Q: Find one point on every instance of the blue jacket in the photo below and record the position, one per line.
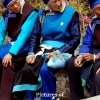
(89, 38)
(71, 40)
(25, 33)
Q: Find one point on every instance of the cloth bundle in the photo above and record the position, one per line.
(59, 61)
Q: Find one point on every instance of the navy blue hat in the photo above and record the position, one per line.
(46, 1)
(93, 3)
(6, 2)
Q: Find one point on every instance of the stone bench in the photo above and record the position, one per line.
(62, 84)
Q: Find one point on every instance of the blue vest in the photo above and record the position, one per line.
(55, 26)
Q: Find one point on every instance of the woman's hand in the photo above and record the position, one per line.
(88, 57)
(30, 59)
(7, 60)
(79, 61)
(50, 55)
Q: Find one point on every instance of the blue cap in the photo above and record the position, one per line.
(93, 3)
(46, 1)
(6, 2)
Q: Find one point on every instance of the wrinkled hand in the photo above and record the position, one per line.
(88, 57)
(50, 55)
(98, 71)
(79, 61)
(30, 59)
(7, 60)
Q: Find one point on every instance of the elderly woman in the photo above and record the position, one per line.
(15, 21)
(60, 31)
(86, 65)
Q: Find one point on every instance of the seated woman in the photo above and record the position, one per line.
(87, 65)
(60, 31)
(14, 23)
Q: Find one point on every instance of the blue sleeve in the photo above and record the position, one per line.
(87, 42)
(35, 37)
(26, 31)
(74, 30)
(2, 30)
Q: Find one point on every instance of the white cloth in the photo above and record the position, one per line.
(45, 46)
(40, 52)
(22, 2)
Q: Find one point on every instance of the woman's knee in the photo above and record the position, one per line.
(70, 63)
(97, 78)
(95, 67)
(26, 69)
(44, 69)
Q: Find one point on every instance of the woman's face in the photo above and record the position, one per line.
(55, 5)
(14, 6)
(96, 10)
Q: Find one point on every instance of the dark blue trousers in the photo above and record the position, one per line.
(49, 82)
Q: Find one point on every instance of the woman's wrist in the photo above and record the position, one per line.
(97, 56)
(79, 56)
